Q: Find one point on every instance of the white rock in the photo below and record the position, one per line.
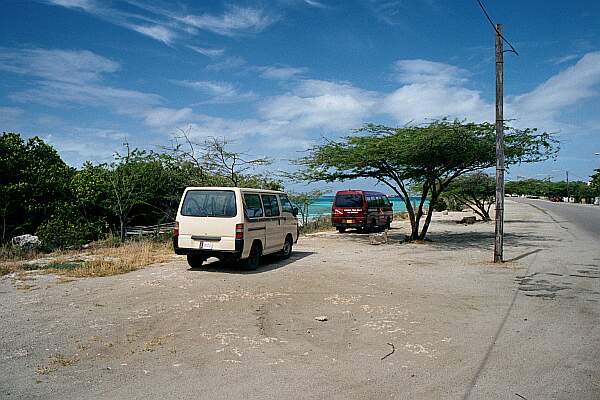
(27, 240)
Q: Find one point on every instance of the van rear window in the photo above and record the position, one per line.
(348, 200)
(209, 203)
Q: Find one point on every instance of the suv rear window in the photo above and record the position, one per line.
(209, 203)
(348, 200)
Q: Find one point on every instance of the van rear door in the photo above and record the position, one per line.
(207, 220)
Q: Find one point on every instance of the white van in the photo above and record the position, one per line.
(234, 224)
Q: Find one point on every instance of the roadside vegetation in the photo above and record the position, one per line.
(67, 207)
(579, 191)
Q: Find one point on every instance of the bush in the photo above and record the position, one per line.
(69, 230)
(440, 204)
(316, 225)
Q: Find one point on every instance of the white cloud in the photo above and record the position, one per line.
(157, 27)
(211, 53)
(121, 101)
(563, 59)
(166, 25)
(161, 117)
(315, 104)
(86, 5)
(226, 64)
(432, 90)
(424, 71)
(421, 101)
(280, 73)
(315, 3)
(235, 21)
(72, 77)
(219, 92)
(10, 114)
(157, 32)
(569, 87)
(57, 65)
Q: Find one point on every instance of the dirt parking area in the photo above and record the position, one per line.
(400, 321)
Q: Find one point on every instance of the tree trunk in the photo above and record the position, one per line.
(428, 218)
(122, 232)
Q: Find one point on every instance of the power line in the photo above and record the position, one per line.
(512, 49)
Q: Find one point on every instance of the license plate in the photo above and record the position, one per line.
(349, 221)
(206, 245)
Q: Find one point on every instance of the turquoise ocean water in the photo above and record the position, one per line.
(322, 206)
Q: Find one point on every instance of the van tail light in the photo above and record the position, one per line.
(239, 231)
(176, 229)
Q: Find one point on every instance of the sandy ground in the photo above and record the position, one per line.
(219, 333)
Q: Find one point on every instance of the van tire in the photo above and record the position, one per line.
(253, 260)
(372, 226)
(288, 245)
(195, 260)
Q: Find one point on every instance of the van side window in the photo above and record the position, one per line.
(286, 206)
(253, 205)
(271, 205)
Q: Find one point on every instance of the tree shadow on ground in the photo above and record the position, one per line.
(458, 240)
(268, 263)
(485, 240)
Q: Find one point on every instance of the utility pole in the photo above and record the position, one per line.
(568, 192)
(499, 239)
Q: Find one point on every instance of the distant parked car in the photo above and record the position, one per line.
(556, 199)
(360, 209)
(234, 224)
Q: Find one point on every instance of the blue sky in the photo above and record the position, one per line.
(277, 76)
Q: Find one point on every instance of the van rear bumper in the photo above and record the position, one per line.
(239, 247)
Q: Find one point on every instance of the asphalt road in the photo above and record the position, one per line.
(548, 344)
(586, 218)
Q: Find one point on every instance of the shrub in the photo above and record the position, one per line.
(68, 230)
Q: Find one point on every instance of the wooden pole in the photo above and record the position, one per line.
(568, 191)
(499, 239)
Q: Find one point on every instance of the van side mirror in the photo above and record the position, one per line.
(295, 211)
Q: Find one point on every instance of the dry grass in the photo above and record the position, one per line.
(101, 259)
(118, 259)
(57, 361)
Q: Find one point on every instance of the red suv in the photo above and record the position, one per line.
(361, 209)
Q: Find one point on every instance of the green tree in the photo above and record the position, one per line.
(33, 183)
(432, 155)
(595, 182)
(476, 191)
(303, 201)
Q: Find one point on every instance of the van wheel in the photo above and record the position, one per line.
(253, 260)
(286, 252)
(195, 260)
(341, 229)
(372, 226)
